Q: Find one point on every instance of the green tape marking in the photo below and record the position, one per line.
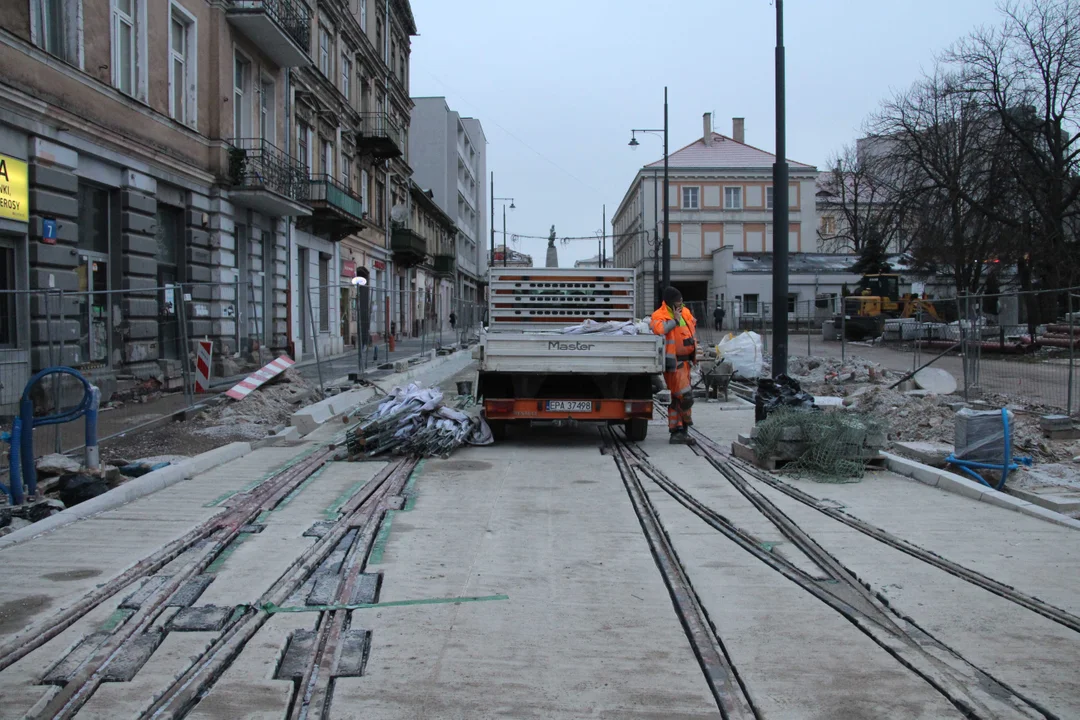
(409, 491)
(271, 608)
(116, 620)
(332, 512)
(380, 540)
(238, 612)
(226, 553)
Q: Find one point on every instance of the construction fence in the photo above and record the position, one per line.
(146, 342)
(377, 326)
(804, 320)
(1018, 345)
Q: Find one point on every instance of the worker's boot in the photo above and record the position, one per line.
(681, 437)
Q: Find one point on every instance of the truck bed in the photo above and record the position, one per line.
(550, 353)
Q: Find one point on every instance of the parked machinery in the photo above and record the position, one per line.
(876, 299)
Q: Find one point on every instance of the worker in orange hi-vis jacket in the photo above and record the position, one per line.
(677, 325)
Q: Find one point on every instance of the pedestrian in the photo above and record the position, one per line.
(453, 320)
(718, 316)
(677, 325)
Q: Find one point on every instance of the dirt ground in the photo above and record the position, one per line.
(252, 418)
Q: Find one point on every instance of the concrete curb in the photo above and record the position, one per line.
(951, 482)
(307, 419)
(129, 491)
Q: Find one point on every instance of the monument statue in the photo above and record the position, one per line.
(552, 251)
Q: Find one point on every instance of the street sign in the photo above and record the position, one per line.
(14, 189)
(48, 231)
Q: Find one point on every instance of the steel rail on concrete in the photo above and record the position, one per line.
(716, 455)
(240, 514)
(365, 510)
(970, 689)
(222, 529)
(727, 688)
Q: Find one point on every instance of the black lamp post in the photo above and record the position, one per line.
(780, 213)
(506, 248)
(666, 252)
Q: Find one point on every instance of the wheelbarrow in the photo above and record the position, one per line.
(716, 377)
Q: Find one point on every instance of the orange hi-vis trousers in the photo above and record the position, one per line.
(678, 382)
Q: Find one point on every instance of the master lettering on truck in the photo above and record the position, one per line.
(556, 345)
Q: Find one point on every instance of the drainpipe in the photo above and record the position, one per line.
(288, 228)
(386, 185)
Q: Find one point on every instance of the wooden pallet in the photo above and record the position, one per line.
(747, 453)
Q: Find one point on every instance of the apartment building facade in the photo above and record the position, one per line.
(720, 195)
(231, 148)
(449, 156)
(433, 229)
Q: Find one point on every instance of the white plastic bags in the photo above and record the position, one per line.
(744, 353)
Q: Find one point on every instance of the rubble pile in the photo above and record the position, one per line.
(413, 421)
(864, 387)
(822, 370)
(261, 411)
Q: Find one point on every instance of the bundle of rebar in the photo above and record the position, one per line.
(413, 422)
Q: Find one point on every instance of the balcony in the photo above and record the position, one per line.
(265, 179)
(335, 211)
(409, 248)
(280, 28)
(379, 137)
(445, 264)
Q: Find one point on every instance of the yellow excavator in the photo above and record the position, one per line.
(876, 299)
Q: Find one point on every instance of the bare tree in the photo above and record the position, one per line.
(944, 149)
(1026, 72)
(857, 193)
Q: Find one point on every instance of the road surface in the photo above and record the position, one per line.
(564, 573)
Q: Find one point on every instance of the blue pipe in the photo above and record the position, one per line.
(1009, 464)
(87, 406)
(16, 489)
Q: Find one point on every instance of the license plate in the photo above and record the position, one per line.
(569, 406)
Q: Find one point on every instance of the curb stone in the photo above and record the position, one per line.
(130, 491)
(951, 482)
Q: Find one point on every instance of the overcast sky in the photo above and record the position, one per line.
(559, 84)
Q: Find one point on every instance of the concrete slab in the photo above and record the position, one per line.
(63, 565)
(248, 689)
(935, 380)
(583, 594)
(1017, 646)
(1029, 554)
(1049, 500)
(762, 617)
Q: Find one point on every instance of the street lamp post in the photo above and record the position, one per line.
(780, 213)
(666, 252)
(506, 248)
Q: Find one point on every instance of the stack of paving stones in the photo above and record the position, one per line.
(1058, 427)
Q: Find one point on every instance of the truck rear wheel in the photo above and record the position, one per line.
(636, 429)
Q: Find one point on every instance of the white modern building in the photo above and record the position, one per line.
(720, 196)
(448, 154)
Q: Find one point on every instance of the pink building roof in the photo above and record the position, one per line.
(723, 153)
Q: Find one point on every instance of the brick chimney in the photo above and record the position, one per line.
(706, 123)
(738, 130)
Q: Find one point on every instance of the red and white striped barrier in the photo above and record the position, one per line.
(256, 379)
(202, 366)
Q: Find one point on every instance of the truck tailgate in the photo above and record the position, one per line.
(548, 353)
